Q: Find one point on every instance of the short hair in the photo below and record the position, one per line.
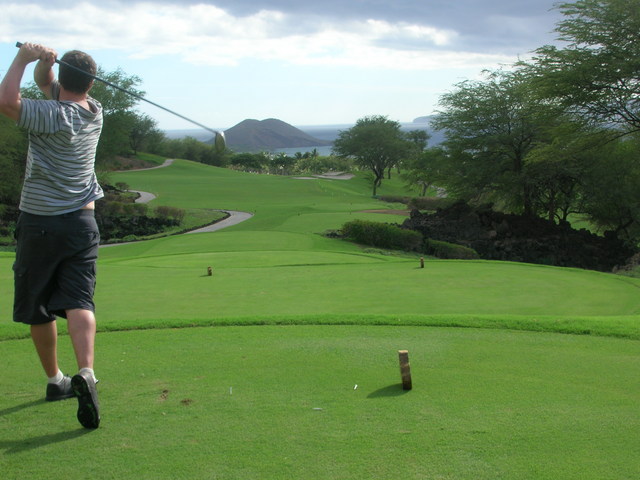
(73, 80)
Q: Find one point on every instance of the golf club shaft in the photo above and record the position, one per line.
(135, 95)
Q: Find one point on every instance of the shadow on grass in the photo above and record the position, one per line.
(23, 445)
(17, 408)
(394, 390)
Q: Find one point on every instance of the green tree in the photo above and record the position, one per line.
(375, 143)
(597, 73)
(154, 141)
(281, 164)
(141, 130)
(249, 161)
(555, 169)
(419, 139)
(114, 100)
(423, 171)
(13, 153)
(610, 193)
(491, 127)
(119, 113)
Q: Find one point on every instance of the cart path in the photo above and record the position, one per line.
(329, 176)
(166, 163)
(144, 197)
(235, 217)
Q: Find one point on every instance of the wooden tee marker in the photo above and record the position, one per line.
(405, 369)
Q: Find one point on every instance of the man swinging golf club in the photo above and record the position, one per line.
(57, 235)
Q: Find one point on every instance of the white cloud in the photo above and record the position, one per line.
(207, 35)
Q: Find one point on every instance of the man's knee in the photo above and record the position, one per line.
(80, 315)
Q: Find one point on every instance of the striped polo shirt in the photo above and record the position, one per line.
(63, 137)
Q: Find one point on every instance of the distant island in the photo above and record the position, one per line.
(275, 135)
(425, 119)
(269, 134)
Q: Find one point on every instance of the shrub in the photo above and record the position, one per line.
(394, 199)
(382, 235)
(429, 203)
(448, 250)
(174, 213)
(135, 209)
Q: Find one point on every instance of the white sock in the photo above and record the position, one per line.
(57, 378)
(90, 371)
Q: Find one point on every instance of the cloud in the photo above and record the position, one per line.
(209, 35)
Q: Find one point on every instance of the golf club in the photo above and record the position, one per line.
(219, 141)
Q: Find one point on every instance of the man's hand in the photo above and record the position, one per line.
(30, 52)
(10, 101)
(43, 73)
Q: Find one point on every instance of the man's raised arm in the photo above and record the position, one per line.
(10, 100)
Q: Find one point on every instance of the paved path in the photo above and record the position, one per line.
(166, 163)
(145, 197)
(234, 218)
(329, 176)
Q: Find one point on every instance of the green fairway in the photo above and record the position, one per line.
(325, 402)
(291, 321)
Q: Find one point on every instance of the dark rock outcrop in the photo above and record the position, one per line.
(499, 236)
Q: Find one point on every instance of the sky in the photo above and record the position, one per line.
(306, 62)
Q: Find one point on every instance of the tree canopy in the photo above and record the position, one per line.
(375, 143)
(596, 74)
(551, 136)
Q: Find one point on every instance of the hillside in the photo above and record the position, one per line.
(269, 134)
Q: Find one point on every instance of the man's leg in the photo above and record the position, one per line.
(45, 339)
(82, 330)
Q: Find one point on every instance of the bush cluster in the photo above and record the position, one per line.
(448, 250)
(386, 235)
(124, 227)
(382, 235)
(127, 221)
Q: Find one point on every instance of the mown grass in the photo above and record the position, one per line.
(307, 318)
(324, 402)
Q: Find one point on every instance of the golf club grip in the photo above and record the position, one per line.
(19, 44)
